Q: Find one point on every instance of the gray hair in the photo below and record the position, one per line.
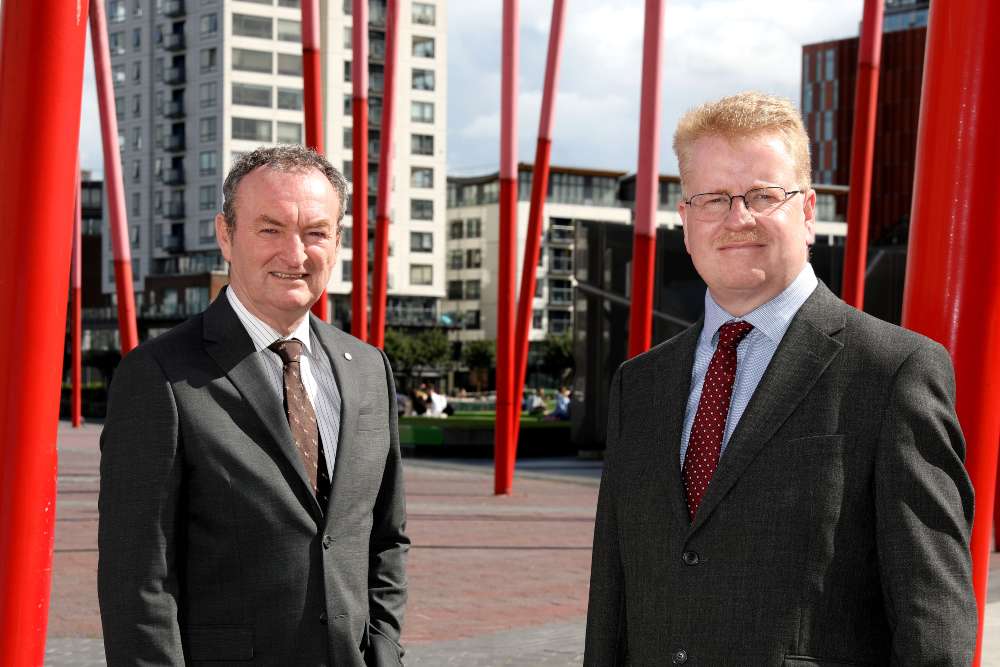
(283, 157)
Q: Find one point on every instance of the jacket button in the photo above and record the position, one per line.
(690, 558)
(679, 656)
(327, 541)
(322, 618)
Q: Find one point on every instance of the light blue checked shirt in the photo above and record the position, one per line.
(770, 322)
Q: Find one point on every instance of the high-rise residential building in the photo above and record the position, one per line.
(829, 80)
(199, 82)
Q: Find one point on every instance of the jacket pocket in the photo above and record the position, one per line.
(821, 444)
(220, 642)
(809, 661)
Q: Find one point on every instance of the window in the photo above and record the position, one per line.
(348, 37)
(289, 133)
(206, 197)
(347, 71)
(423, 47)
(829, 65)
(348, 170)
(207, 130)
(158, 69)
(137, 71)
(158, 169)
(455, 230)
(159, 102)
(136, 210)
(473, 258)
(422, 144)
(421, 242)
(421, 274)
(121, 140)
(134, 233)
(158, 34)
(423, 13)
(246, 60)
(421, 209)
(206, 231)
(120, 107)
(235, 155)
(252, 95)
(118, 75)
(562, 260)
(471, 289)
(375, 109)
(560, 321)
(422, 112)
(208, 94)
(251, 129)
(208, 160)
(116, 43)
(828, 124)
(289, 31)
(137, 8)
(345, 270)
(136, 171)
(158, 233)
(423, 79)
(136, 105)
(245, 25)
(289, 65)
(158, 136)
(116, 11)
(536, 319)
(455, 259)
(473, 228)
(261, 2)
(348, 137)
(455, 290)
(422, 177)
(136, 38)
(209, 60)
(137, 138)
(290, 98)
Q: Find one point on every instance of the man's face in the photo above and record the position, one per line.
(284, 245)
(747, 258)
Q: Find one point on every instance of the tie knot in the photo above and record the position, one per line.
(289, 350)
(732, 333)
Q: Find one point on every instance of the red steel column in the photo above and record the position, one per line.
(539, 185)
(384, 196)
(647, 181)
(313, 94)
(952, 289)
(75, 320)
(359, 203)
(42, 46)
(113, 178)
(862, 154)
(505, 439)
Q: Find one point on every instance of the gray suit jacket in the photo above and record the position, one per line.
(834, 532)
(213, 549)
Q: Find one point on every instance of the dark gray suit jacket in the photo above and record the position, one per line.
(834, 532)
(213, 549)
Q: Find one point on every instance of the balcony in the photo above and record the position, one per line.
(174, 41)
(561, 265)
(174, 209)
(174, 109)
(376, 49)
(561, 235)
(117, 49)
(173, 8)
(173, 142)
(173, 76)
(174, 244)
(173, 177)
(561, 296)
(561, 326)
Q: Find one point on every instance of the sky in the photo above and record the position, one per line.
(711, 48)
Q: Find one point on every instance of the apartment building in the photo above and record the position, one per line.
(199, 82)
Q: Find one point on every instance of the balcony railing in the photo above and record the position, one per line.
(173, 209)
(561, 296)
(560, 326)
(173, 75)
(155, 311)
(173, 41)
(173, 176)
(174, 244)
(375, 82)
(173, 8)
(174, 142)
(117, 49)
(561, 265)
(174, 109)
(559, 234)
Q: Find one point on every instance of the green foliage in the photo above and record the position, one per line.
(557, 355)
(430, 348)
(399, 348)
(480, 354)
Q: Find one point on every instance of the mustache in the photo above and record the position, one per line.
(755, 235)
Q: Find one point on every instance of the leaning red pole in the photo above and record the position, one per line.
(376, 336)
(42, 46)
(359, 202)
(313, 94)
(862, 154)
(75, 320)
(505, 438)
(113, 183)
(952, 291)
(647, 181)
(539, 185)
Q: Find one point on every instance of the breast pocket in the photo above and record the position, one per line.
(373, 421)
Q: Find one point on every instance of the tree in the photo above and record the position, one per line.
(481, 355)
(431, 348)
(557, 356)
(399, 348)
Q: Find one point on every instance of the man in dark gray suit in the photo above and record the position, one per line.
(252, 506)
(783, 483)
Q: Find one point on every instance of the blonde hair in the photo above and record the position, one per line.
(744, 115)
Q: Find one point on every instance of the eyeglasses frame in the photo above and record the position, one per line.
(788, 193)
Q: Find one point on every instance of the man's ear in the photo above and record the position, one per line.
(809, 210)
(222, 236)
(682, 211)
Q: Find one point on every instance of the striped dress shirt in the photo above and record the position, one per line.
(317, 373)
(754, 353)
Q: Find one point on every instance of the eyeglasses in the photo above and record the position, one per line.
(715, 206)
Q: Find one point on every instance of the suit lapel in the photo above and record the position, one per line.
(804, 353)
(231, 347)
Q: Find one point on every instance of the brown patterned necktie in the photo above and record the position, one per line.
(302, 418)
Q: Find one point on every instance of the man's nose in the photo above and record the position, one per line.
(293, 250)
(739, 213)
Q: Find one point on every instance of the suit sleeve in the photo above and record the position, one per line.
(924, 509)
(141, 463)
(607, 640)
(387, 551)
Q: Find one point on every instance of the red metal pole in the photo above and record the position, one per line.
(539, 185)
(952, 291)
(647, 181)
(862, 154)
(384, 196)
(75, 287)
(505, 439)
(113, 178)
(313, 94)
(359, 204)
(42, 46)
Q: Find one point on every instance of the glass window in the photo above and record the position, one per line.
(423, 47)
(348, 137)
(116, 11)
(471, 289)
(134, 235)
(829, 64)
(210, 24)
(209, 60)
(245, 25)
(116, 43)
(455, 231)
(158, 136)
(136, 171)
(473, 258)
(807, 98)
(421, 242)
(121, 140)
(422, 144)
(261, 2)
(137, 8)
(455, 259)
(455, 290)
(294, 4)
(348, 37)
(137, 138)
(289, 133)
(828, 124)
(252, 61)
(209, 162)
(252, 95)
(136, 38)
(206, 197)
(158, 34)
(251, 129)
(137, 71)
(421, 209)
(118, 75)
(473, 228)
(289, 31)
(208, 94)
(207, 129)
(536, 319)
(158, 234)
(136, 210)
(347, 104)
(422, 112)
(120, 107)
(423, 79)
(158, 201)
(159, 102)
(289, 64)
(348, 171)
(137, 105)
(290, 98)
(423, 13)
(347, 71)
(421, 274)
(422, 177)
(345, 270)
(206, 231)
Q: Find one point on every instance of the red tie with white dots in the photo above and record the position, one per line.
(705, 442)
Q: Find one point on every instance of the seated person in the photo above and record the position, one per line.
(418, 402)
(438, 403)
(561, 413)
(535, 403)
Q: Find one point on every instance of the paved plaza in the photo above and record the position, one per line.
(494, 581)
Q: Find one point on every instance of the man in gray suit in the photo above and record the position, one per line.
(783, 483)
(252, 506)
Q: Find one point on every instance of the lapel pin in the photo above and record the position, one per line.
(347, 355)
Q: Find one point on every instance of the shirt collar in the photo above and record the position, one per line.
(772, 318)
(262, 333)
